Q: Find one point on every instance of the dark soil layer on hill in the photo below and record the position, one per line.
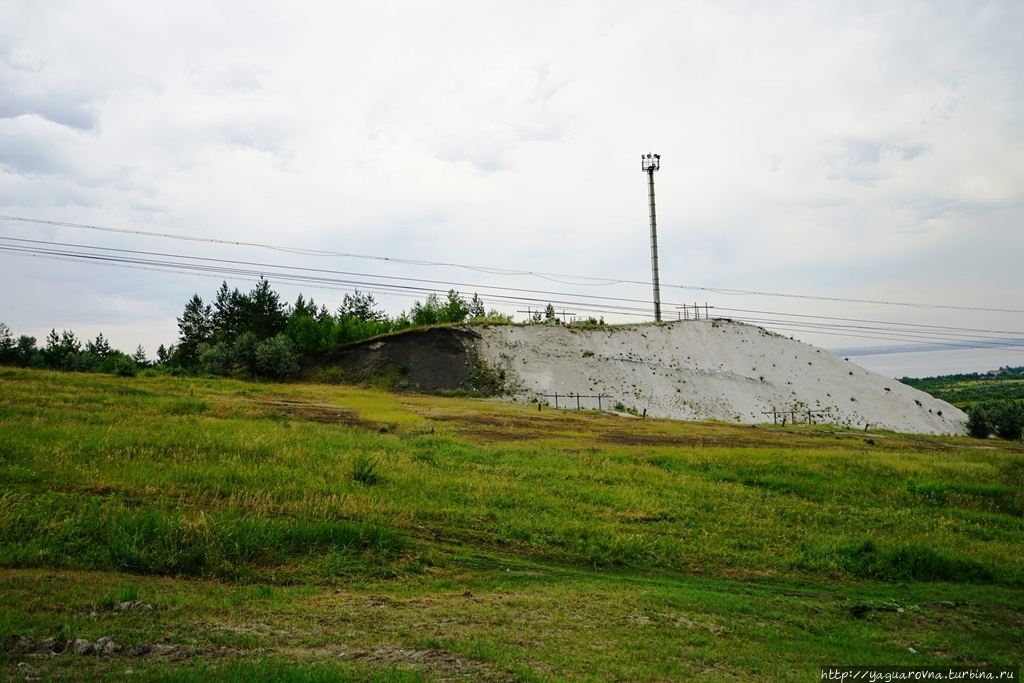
(426, 360)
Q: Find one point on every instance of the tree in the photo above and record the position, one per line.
(195, 326)
(28, 354)
(455, 308)
(360, 306)
(1004, 418)
(8, 347)
(164, 354)
(60, 347)
(427, 313)
(549, 315)
(100, 347)
(140, 357)
(266, 315)
(1008, 420)
(230, 313)
(303, 308)
(305, 332)
(476, 308)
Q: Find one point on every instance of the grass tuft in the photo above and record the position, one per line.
(364, 470)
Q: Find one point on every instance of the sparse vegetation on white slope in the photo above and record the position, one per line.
(709, 369)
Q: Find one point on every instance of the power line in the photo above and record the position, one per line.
(267, 272)
(318, 252)
(937, 328)
(503, 271)
(265, 267)
(871, 329)
(894, 336)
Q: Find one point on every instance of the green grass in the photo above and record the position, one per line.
(354, 533)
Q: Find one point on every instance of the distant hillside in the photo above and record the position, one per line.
(967, 389)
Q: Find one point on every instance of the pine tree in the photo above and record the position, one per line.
(59, 347)
(360, 306)
(8, 347)
(140, 356)
(476, 308)
(100, 347)
(230, 313)
(266, 315)
(195, 326)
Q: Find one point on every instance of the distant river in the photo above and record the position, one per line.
(942, 362)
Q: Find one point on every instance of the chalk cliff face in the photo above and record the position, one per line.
(706, 369)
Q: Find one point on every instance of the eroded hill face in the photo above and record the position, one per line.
(426, 359)
(686, 370)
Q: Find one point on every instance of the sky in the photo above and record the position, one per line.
(837, 153)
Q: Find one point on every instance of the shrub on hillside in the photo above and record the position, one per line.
(979, 425)
(244, 350)
(215, 359)
(124, 366)
(80, 361)
(275, 357)
(1008, 420)
(1004, 418)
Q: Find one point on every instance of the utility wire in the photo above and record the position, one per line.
(266, 266)
(581, 280)
(932, 334)
(861, 320)
(254, 273)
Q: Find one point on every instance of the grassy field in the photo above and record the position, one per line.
(183, 529)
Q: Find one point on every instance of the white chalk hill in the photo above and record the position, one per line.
(708, 370)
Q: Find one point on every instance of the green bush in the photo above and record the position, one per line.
(125, 367)
(80, 361)
(244, 350)
(275, 357)
(979, 425)
(215, 359)
(1004, 418)
(1008, 420)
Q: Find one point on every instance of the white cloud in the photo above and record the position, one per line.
(831, 147)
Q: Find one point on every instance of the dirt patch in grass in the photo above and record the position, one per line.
(509, 427)
(321, 413)
(612, 429)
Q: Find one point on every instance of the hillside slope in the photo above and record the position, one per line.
(707, 369)
(684, 370)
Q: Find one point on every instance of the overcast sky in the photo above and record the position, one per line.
(849, 150)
